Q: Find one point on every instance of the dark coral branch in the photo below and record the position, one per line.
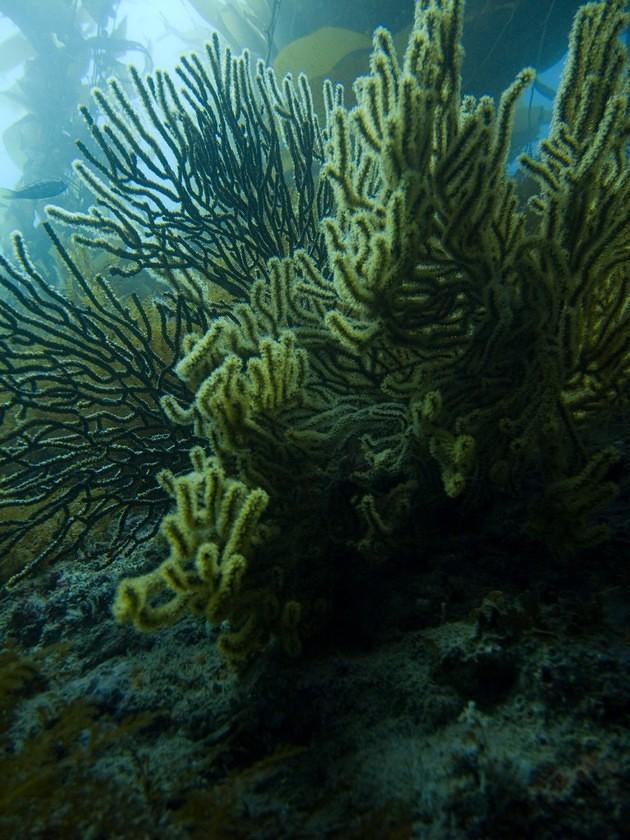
(83, 434)
(218, 177)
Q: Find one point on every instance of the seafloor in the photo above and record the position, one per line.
(479, 690)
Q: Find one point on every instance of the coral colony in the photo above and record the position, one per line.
(332, 352)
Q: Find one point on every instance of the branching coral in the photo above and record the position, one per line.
(429, 337)
(446, 325)
(218, 177)
(209, 569)
(205, 202)
(578, 251)
(83, 433)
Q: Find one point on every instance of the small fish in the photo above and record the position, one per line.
(40, 189)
